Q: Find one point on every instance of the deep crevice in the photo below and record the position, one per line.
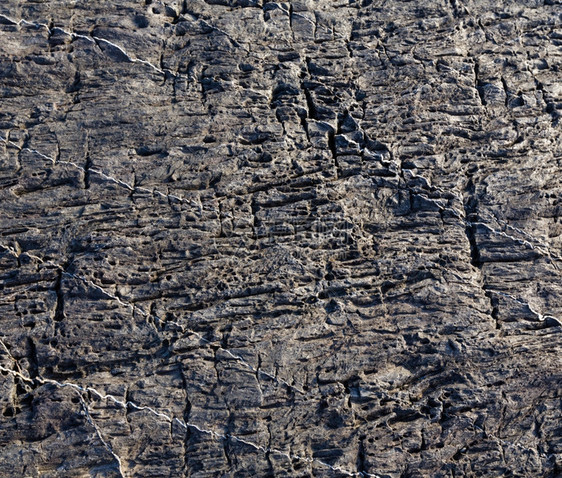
(333, 150)
(361, 458)
(504, 84)
(59, 308)
(478, 83)
(471, 216)
(33, 362)
(87, 167)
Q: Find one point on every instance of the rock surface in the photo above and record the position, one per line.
(252, 238)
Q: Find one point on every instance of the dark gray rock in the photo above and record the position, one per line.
(280, 239)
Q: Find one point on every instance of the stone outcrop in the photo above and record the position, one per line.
(253, 238)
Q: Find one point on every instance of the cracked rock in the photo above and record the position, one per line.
(254, 238)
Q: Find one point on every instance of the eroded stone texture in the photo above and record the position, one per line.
(253, 238)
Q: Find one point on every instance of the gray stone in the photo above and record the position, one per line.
(303, 238)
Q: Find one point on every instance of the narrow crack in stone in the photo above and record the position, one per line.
(136, 308)
(105, 443)
(171, 419)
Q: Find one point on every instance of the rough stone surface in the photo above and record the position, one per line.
(251, 238)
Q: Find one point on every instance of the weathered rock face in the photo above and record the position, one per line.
(246, 238)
